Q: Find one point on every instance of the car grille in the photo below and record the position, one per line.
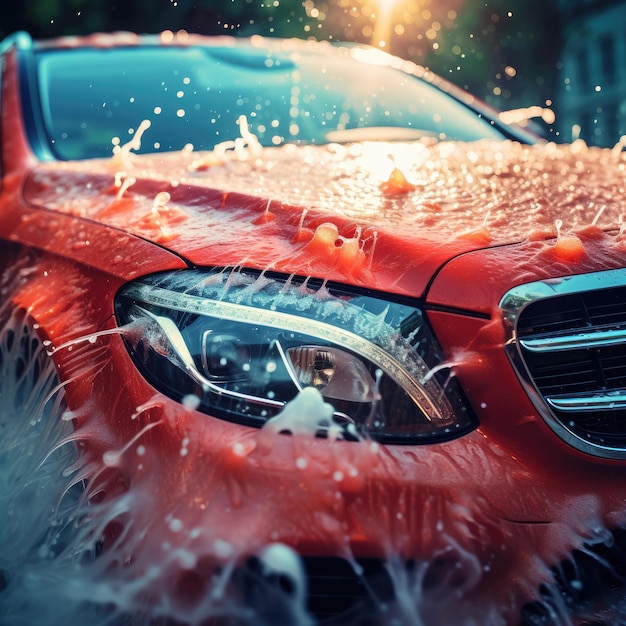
(337, 591)
(588, 584)
(567, 340)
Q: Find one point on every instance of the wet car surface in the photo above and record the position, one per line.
(370, 372)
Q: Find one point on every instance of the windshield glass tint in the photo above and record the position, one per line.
(196, 95)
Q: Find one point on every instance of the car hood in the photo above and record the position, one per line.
(387, 215)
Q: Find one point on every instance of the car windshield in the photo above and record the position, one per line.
(196, 95)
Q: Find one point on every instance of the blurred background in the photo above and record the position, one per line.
(563, 62)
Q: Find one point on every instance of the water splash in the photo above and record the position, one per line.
(116, 525)
(397, 183)
(244, 147)
(568, 246)
(67, 558)
(123, 182)
(121, 154)
(523, 116)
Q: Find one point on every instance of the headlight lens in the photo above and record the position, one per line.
(241, 345)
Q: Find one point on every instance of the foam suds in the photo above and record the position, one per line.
(436, 194)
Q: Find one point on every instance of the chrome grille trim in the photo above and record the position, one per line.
(591, 402)
(566, 339)
(575, 341)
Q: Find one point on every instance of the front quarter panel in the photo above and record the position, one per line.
(464, 301)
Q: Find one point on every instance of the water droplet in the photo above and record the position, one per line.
(223, 549)
(191, 401)
(176, 525)
(239, 449)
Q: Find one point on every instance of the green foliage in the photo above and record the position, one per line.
(502, 50)
(50, 18)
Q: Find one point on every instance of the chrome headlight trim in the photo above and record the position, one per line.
(245, 314)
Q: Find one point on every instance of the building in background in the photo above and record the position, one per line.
(591, 98)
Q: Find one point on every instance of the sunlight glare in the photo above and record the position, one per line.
(383, 25)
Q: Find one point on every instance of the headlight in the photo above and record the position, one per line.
(239, 345)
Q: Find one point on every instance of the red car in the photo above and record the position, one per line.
(293, 332)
